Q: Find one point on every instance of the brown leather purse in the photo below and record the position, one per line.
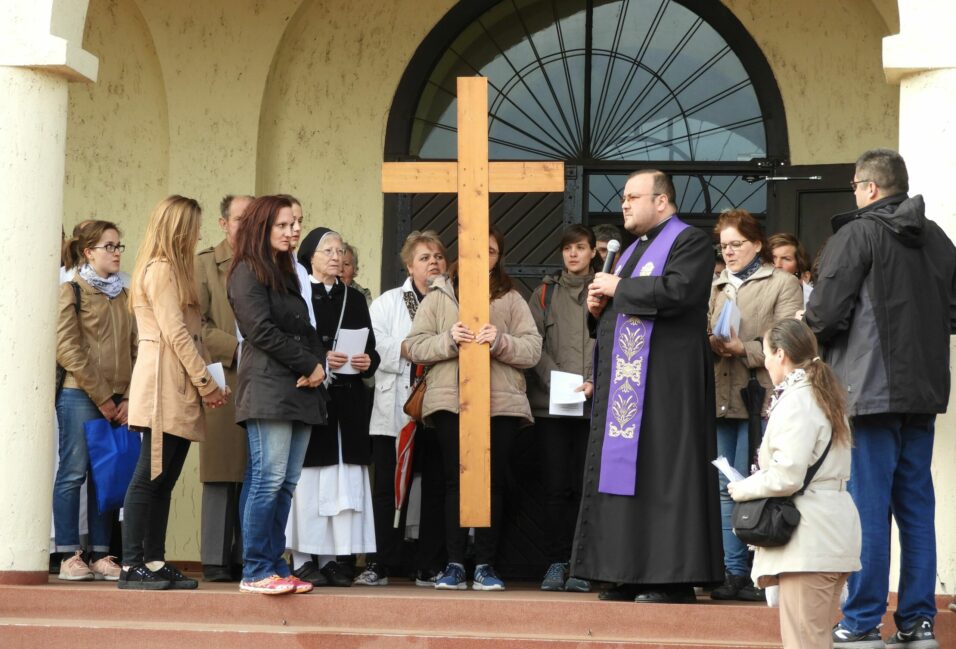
(416, 399)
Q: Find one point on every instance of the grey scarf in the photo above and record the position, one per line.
(111, 285)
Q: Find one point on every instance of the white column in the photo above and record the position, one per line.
(922, 60)
(35, 67)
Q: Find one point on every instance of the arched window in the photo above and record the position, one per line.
(607, 86)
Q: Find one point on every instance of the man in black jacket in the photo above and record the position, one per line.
(884, 308)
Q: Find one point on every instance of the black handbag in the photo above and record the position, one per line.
(770, 522)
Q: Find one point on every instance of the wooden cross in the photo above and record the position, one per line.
(472, 177)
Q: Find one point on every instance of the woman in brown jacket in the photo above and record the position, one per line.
(96, 345)
(764, 295)
(169, 388)
(436, 335)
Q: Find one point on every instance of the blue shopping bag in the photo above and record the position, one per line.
(114, 451)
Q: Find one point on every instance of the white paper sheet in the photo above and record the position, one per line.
(724, 466)
(564, 400)
(351, 342)
(218, 374)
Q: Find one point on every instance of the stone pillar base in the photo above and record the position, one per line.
(23, 577)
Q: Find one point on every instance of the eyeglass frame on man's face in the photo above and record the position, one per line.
(854, 183)
(627, 198)
(115, 248)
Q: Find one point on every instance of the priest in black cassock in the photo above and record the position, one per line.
(650, 514)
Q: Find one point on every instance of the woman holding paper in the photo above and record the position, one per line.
(96, 345)
(169, 388)
(332, 510)
(807, 420)
(560, 314)
(760, 294)
(515, 345)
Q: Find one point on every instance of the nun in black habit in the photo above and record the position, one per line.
(332, 508)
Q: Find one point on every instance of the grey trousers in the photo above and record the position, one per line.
(221, 534)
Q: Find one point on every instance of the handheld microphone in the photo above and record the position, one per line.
(612, 247)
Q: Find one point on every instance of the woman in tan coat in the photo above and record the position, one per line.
(169, 388)
(807, 415)
(96, 345)
(763, 294)
(436, 335)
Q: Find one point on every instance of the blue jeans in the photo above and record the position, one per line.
(276, 452)
(891, 477)
(733, 442)
(73, 409)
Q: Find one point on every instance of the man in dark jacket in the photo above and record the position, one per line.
(883, 307)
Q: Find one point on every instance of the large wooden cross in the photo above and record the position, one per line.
(472, 177)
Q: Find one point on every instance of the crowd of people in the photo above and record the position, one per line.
(300, 448)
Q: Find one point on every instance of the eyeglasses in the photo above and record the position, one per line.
(332, 252)
(110, 248)
(854, 183)
(627, 198)
(736, 245)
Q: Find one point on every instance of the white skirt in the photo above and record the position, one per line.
(332, 511)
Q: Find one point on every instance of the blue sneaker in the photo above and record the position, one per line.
(452, 578)
(486, 579)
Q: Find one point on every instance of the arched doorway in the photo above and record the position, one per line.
(606, 86)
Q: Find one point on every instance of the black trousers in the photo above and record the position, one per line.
(146, 508)
(503, 430)
(220, 535)
(389, 540)
(563, 442)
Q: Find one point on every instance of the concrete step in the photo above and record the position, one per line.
(98, 615)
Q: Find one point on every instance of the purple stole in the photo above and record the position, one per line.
(630, 358)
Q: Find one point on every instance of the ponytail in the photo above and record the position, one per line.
(800, 345)
(86, 234)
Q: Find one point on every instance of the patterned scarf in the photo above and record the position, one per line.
(750, 269)
(793, 377)
(111, 285)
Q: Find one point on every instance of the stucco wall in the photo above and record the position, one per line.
(205, 98)
(827, 59)
(117, 145)
(325, 108)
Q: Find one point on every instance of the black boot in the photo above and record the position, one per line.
(731, 587)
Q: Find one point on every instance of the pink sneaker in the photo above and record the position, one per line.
(75, 569)
(106, 568)
(272, 585)
(300, 586)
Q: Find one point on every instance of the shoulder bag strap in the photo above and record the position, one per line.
(812, 471)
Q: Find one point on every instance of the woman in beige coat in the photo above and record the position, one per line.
(763, 294)
(169, 388)
(808, 413)
(436, 335)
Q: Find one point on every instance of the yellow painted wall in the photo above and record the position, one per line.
(233, 96)
(827, 59)
(117, 144)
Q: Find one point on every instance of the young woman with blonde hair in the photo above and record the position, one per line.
(170, 387)
(807, 422)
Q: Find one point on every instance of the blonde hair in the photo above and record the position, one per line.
(171, 235)
(428, 237)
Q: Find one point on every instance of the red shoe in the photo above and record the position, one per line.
(299, 585)
(272, 585)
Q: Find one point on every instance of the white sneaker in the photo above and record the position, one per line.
(75, 569)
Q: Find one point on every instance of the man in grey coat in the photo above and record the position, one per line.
(889, 343)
